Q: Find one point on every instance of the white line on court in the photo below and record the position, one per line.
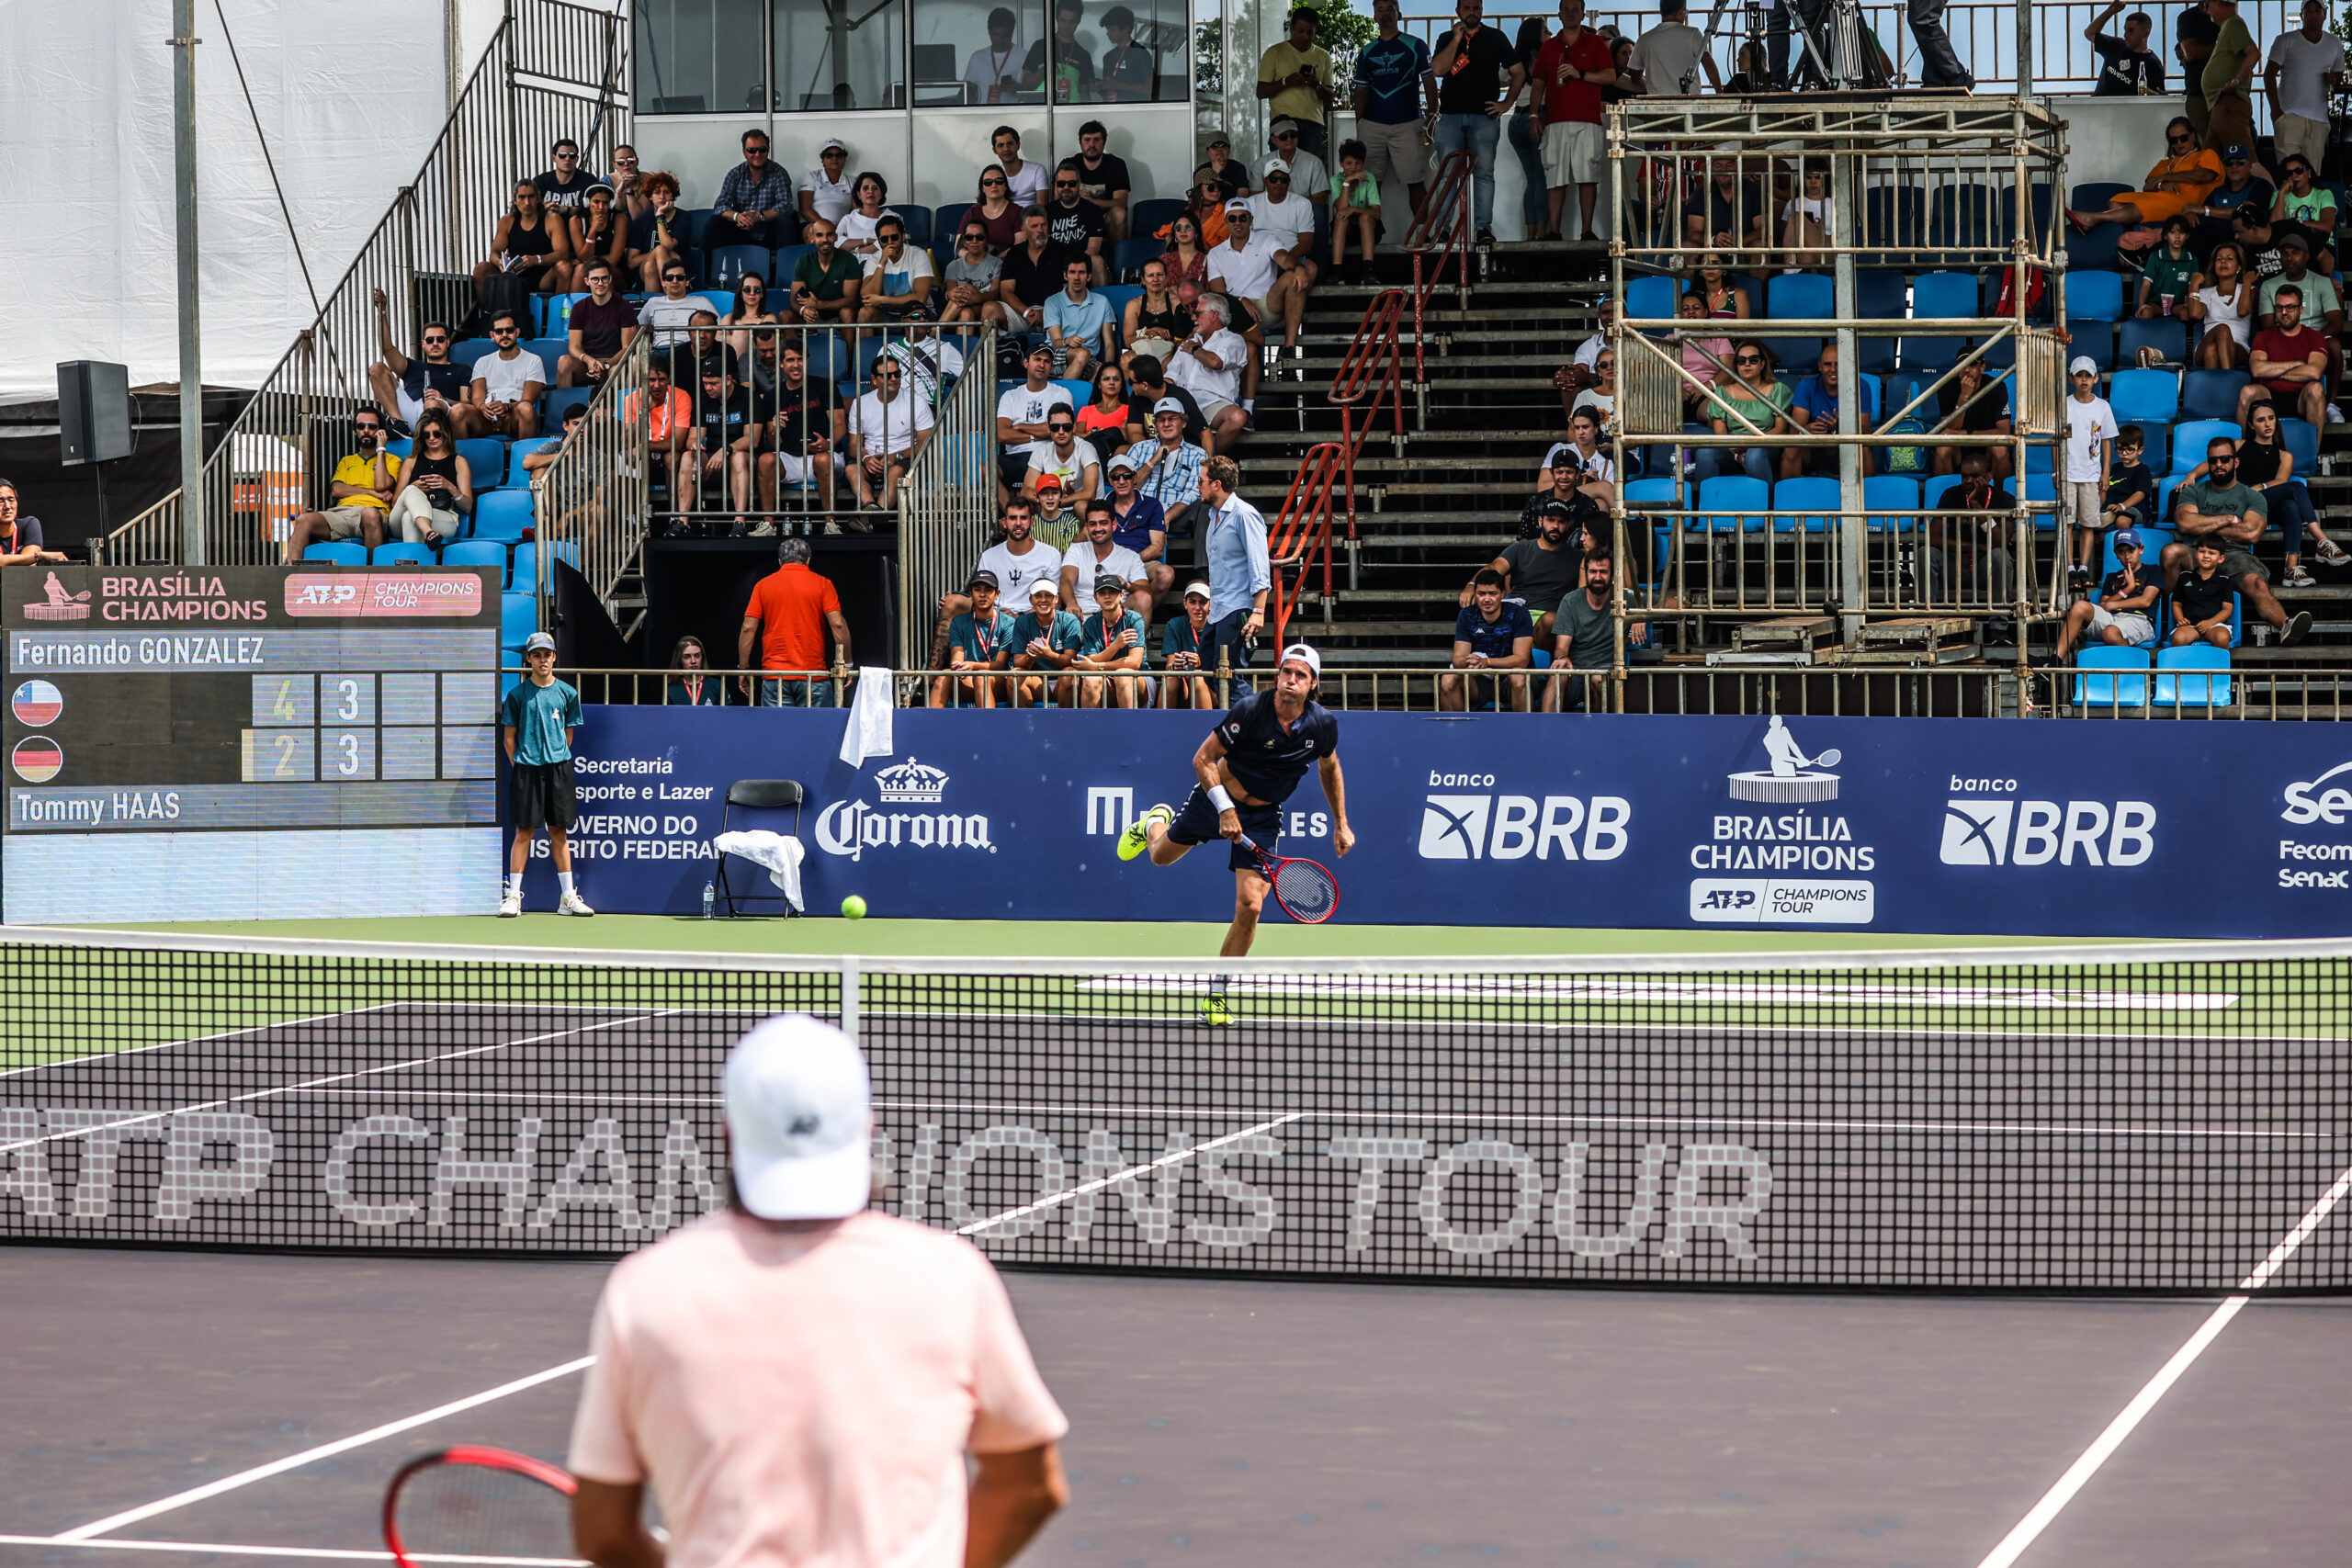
(335, 1553)
(2078, 1474)
(80, 1533)
(196, 1040)
(1176, 1156)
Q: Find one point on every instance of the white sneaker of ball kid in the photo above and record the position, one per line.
(510, 904)
(573, 903)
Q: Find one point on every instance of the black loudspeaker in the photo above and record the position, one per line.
(92, 411)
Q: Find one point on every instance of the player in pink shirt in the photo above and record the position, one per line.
(800, 1379)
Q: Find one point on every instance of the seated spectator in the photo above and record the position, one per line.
(1076, 225)
(750, 310)
(359, 500)
(690, 684)
(1728, 211)
(1219, 164)
(504, 397)
(1355, 208)
(1151, 386)
(2222, 510)
(2163, 276)
(433, 492)
(2130, 488)
(827, 283)
(1103, 176)
(1034, 273)
(1023, 414)
(1063, 58)
(1187, 257)
(599, 232)
(994, 209)
(1753, 405)
(1591, 472)
(1099, 554)
(2202, 600)
(1078, 322)
(1812, 410)
(670, 314)
(537, 463)
(1155, 320)
(629, 182)
(2288, 362)
(2250, 231)
(2306, 209)
(898, 279)
(1808, 224)
(1057, 523)
(2322, 309)
(1017, 561)
(1976, 403)
(528, 243)
(2267, 468)
(657, 237)
(1600, 397)
(802, 439)
(1286, 217)
(600, 332)
(1114, 640)
(859, 231)
(1541, 566)
(933, 363)
(1074, 465)
(1168, 467)
(2245, 184)
(726, 443)
(1588, 352)
(2181, 179)
(1188, 643)
(1723, 299)
(1585, 637)
(1310, 180)
(1491, 633)
(1108, 419)
(888, 428)
(1045, 640)
(972, 277)
(2220, 311)
(1208, 365)
(1707, 359)
(1026, 180)
(1140, 526)
(823, 192)
(2121, 613)
(564, 189)
(752, 199)
(994, 73)
(666, 412)
(980, 642)
(1971, 554)
(408, 386)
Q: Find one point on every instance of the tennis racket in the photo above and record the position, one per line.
(1826, 759)
(477, 1501)
(1306, 892)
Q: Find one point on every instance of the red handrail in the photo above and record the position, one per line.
(1300, 530)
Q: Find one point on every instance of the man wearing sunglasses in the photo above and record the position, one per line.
(504, 397)
(1075, 223)
(888, 428)
(825, 191)
(564, 188)
(754, 194)
(360, 496)
(409, 386)
(1073, 464)
(668, 313)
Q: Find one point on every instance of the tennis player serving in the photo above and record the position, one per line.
(1248, 768)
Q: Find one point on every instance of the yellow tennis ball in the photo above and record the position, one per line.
(854, 908)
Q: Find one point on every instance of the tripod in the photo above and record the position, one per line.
(1851, 38)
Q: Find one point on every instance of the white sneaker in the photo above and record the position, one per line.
(2335, 414)
(2332, 553)
(2298, 577)
(510, 905)
(573, 903)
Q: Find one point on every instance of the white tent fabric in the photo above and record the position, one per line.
(351, 97)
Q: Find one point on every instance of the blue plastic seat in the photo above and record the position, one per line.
(2158, 454)
(463, 353)
(527, 561)
(1797, 355)
(2095, 339)
(2140, 397)
(340, 552)
(1128, 255)
(1650, 493)
(2190, 438)
(554, 314)
(2212, 394)
(2038, 486)
(476, 552)
(1882, 492)
(1894, 219)
(2153, 541)
(1881, 294)
(2094, 295)
(399, 448)
(701, 225)
(2112, 677)
(1800, 296)
(400, 555)
(2037, 459)
(2300, 438)
(1116, 296)
(2097, 195)
(2164, 486)
(502, 515)
(2169, 335)
(2194, 676)
(1652, 299)
(947, 223)
(1932, 487)
(552, 411)
(1939, 296)
(485, 461)
(518, 617)
(551, 351)
(2097, 248)
(517, 477)
(1150, 217)
(1802, 495)
(730, 265)
(917, 222)
(1737, 502)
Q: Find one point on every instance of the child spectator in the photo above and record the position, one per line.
(539, 716)
(2120, 615)
(1186, 643)
(2090, 435)
(1355, 202)
(2202, 599)
(1045, 637)
(2131, 488)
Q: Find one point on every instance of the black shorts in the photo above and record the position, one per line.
(1196, 823)
(545, 796)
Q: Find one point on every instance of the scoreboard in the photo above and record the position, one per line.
(249, 742)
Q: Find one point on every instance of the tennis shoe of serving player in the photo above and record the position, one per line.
(1246, 771)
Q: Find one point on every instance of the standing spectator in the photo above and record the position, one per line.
(2288, 362)
(1099, 554)
(1258, 271)
(691, 685)
(827, 283)
(753, 197)
(898, 279)
(823, 192)
(1972, 552)
(563, 190)
(2224, 513)
(1168, 467)
(2119, 613)
(1074, 465)
(1310, 180)
(980, 642)
(1130, 73)
(1355, 203)
(2306, 70)
(1524, 130)
(2220, 308)
(1539, 570)
(628, 183)
(658, 236)
(1045, 640)
(1938, 67)
(1208, 365)
(2305, 209)
(1062, 58)
(1389, 75)
(1185, 644)
(1033, 273)
(2202, 601)
(1024, 178)
(1670, 56)
(859, 231)
(598, 231)
(1102, 177)
(972, 277)
(1477, 81)
(529, 245)
(504, 397)
(844, 1439)
(1114, 641)
(2229, 78)
(801, 426)
(2090, 455)
(1138, 525)
(888, 428)
(1233, 549)
(1074, 223)
(2128, 68)
(1491, 633)
(669, 314)
(408, 386)
(21, 543)
(1231, 175)
(601, 328)
(2194, 31)
(791, 610)
(1025, 414)
(994, 73)
(359, 500)
(539, 715)
(1294, 79)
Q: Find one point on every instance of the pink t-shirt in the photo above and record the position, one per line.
(807, 1398)
(1695, 352)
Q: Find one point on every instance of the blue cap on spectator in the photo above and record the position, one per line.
(2128, 539)
(2237, 152)
(536, 641)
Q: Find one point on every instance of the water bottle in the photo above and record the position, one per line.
(710, 898)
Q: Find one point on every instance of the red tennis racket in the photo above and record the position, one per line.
(1306, 892)
(479, 1502)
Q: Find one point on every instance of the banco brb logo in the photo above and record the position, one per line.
(1512, 827)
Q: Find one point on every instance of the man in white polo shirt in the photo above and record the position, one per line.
(1208, 365)
(844, 1439)
(1255, 269)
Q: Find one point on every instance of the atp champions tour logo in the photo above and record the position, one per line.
(852, 827)
(1794, 846)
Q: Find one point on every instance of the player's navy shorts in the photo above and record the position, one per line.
(545, 796)
(1196, 823)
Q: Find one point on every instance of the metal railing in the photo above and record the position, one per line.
(551, 69)
(591, 502)
(950, 506)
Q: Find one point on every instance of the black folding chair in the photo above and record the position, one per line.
(758, 795)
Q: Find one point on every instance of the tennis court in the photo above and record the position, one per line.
(1262, 1266)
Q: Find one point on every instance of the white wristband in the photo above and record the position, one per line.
(1221, 797)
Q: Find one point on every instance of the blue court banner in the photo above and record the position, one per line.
(2027, 828)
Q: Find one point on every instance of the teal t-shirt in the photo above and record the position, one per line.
(1063, 632)
(1366, 197)
(980, 642)
(1098, 639)
(539, 715)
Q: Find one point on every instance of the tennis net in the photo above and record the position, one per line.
(2172, 1120)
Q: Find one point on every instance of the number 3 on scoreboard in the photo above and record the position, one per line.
(346, 754)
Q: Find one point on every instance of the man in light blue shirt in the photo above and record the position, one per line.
(1077, 321)
(1233, 547)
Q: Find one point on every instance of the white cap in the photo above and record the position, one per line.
(799, 1121)
(1305, 655)
(1200, 588)
(1046, 585)
(2083, 362)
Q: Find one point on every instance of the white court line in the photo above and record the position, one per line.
(1175, 1156)
(195, 1039)
(339, 1553)
(2078, 1474)
(147, 1116)
(80, 1533)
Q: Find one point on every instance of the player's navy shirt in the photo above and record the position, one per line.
(1267, 759)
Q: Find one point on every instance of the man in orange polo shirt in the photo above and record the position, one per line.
(790, 611)
(668, 415)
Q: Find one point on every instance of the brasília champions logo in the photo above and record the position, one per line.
(1793, 778)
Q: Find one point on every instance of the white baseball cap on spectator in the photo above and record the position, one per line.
(1198, 590)
(1046, 586)
(2084, 364)
(799, 1121)
(1304, 655)
(1167, 405)
(1122, 460)
(830, 142)
(1237, 204)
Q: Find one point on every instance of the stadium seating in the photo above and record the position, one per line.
(2194, 676)
(1801, 496)
(2097, 195)
(2300, 438)
(1797, 355)
(340, 552)
(2112, 676)
(2158, 454)
(515, 452)
(554, 314)
(2097, 248)
(466, 351)
(1939, 296)
(1931, 489)
(2212, 394)
(502, 515)
(1884, 492)
(2094, 295)
(1652, 299)
(1895, 218)
(2190, 438)
(1737, 502)
(400, 555)
(518, 617)
(2169, 335)
(1148, 217)
(476, 552)
(553, 407)
(2138, 395)
(1800, 296)
(917, 222)
(1116, 296)
(485, 461)
(730, 265)
(946, 219)
(527, 561)
(1128, 255)
(701, 227)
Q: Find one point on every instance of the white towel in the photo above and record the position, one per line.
(779, 853)
(867, 733)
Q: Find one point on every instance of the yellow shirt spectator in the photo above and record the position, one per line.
(1296, 103)
(361, 471)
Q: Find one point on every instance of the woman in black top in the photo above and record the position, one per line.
(530, 244)
(597, 231)
(1987, 415)
(690, 684)
(1527, 137)
(1156, 319)
(435, 491)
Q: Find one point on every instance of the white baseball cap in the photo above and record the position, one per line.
(1200, 588)
(799, 1121)
(2083, 363)
(1305, 655)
